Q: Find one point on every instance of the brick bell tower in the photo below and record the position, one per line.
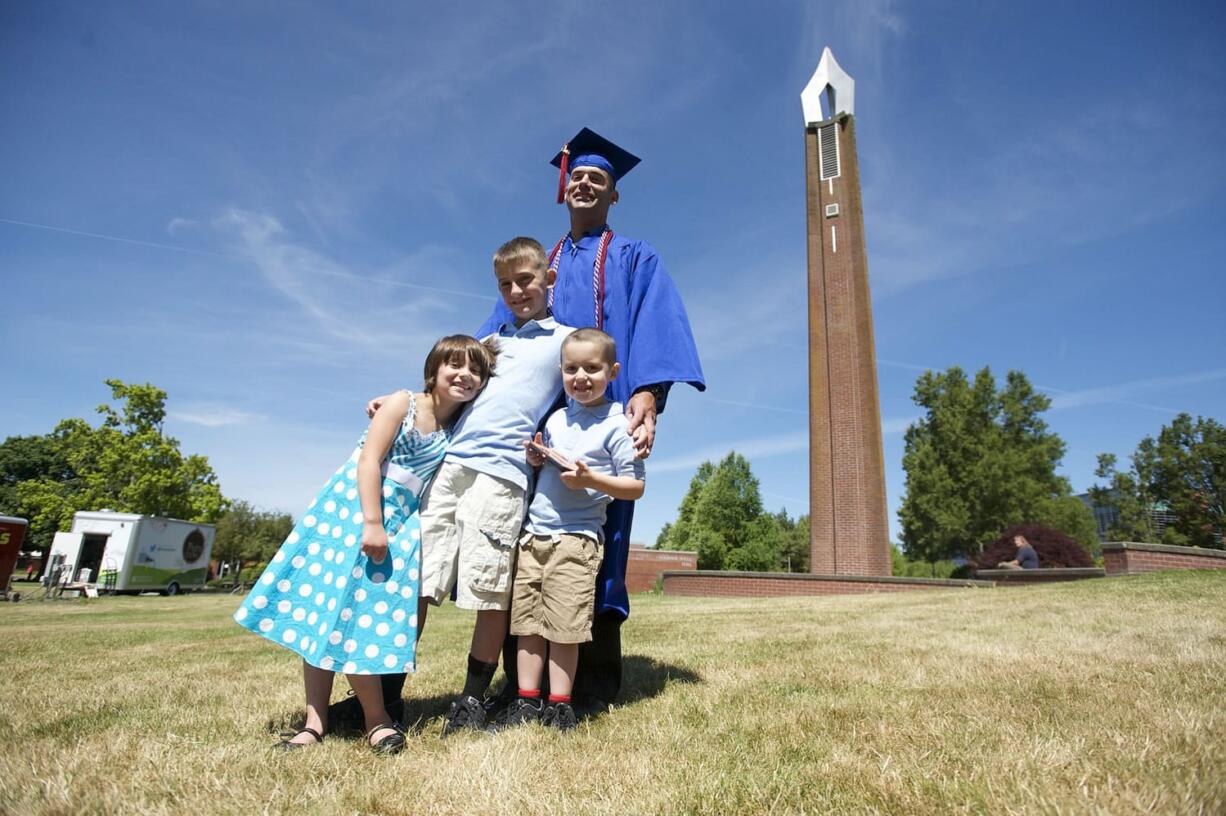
(847, 507)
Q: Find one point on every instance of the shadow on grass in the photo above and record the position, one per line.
(645, 677)
(642, 678)
(345, 715)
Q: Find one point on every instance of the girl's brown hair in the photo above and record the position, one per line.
(458, 347)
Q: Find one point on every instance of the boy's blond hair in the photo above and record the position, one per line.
(606, 344)
(521, 250)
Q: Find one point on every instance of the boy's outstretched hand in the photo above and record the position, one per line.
(544, 453)
(576, 479)
(535, 457)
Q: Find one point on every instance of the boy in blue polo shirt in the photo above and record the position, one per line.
(471, 515)
(472, 512)
(588, 460)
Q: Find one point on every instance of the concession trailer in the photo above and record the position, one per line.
(123, 552)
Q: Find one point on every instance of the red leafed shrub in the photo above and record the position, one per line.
(1054, 548)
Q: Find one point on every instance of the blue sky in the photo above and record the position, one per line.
(271, 210)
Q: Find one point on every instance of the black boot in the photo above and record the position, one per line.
(598, 678)
(345, 715)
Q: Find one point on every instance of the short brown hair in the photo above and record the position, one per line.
(606, 344)
(457, 347)
(521, 249)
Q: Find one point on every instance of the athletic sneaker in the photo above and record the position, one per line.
(498, 706)
(520, 712)
(559, 715)
(465, 712)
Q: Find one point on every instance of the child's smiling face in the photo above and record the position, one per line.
(525, 290)
(459, 379)
(585, 374)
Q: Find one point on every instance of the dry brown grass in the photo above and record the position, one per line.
(1098, 697)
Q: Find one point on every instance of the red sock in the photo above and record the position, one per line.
(559, 698)
(530, 694)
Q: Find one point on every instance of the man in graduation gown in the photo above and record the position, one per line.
(617, 284)
(620, 285)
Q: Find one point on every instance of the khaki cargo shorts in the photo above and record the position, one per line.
(555, 587)
(469, 522)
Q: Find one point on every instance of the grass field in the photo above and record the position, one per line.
(1099, 697)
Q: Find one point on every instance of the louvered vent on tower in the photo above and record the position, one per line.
(828, 150)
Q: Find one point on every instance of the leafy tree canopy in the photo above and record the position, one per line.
(979, 460)
(245, 534)
(125, 464)
(1184, 471)
(721, 518)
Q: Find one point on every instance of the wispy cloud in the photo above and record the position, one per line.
(1122, 392)
(758, 448)
(757, 406)
(792, 500)
(894, 425)
(178, 225)
(323, 287)
(113, 238)
(213, 416)
(897, 425)
(902, 365)
(987, 204)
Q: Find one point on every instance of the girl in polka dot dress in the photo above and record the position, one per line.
(342, 591)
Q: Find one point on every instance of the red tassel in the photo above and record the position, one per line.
(563, 173)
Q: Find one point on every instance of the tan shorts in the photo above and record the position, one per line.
(469, 522)
(555, 587)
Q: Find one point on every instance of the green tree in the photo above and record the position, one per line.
(1128, 493)
(1183, 470)
(711, 547)
(979, 460)
(679, 533)
(126, 464)
(729, 501)
(900, 565)
(760, 547)
(245, 534)
(721, 518)
(1188, 467)
(22, 459)
(794, 546)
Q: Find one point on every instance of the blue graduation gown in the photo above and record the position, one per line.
(644, 315)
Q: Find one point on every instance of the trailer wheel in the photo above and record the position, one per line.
(172, 588)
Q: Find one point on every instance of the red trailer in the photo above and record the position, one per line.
(12, 533)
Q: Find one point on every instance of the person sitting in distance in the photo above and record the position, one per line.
(1027, 558)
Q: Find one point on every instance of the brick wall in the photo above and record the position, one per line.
(1025, 577)
(707, 583)
(1132, 558)
(644, 567)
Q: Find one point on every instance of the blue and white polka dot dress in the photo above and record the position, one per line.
(326, 600)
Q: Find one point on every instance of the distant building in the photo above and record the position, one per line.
(1107, 515)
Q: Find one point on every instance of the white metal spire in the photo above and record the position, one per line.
(832, 80)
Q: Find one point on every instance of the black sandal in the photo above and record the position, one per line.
(286, 745)
(391, 744)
